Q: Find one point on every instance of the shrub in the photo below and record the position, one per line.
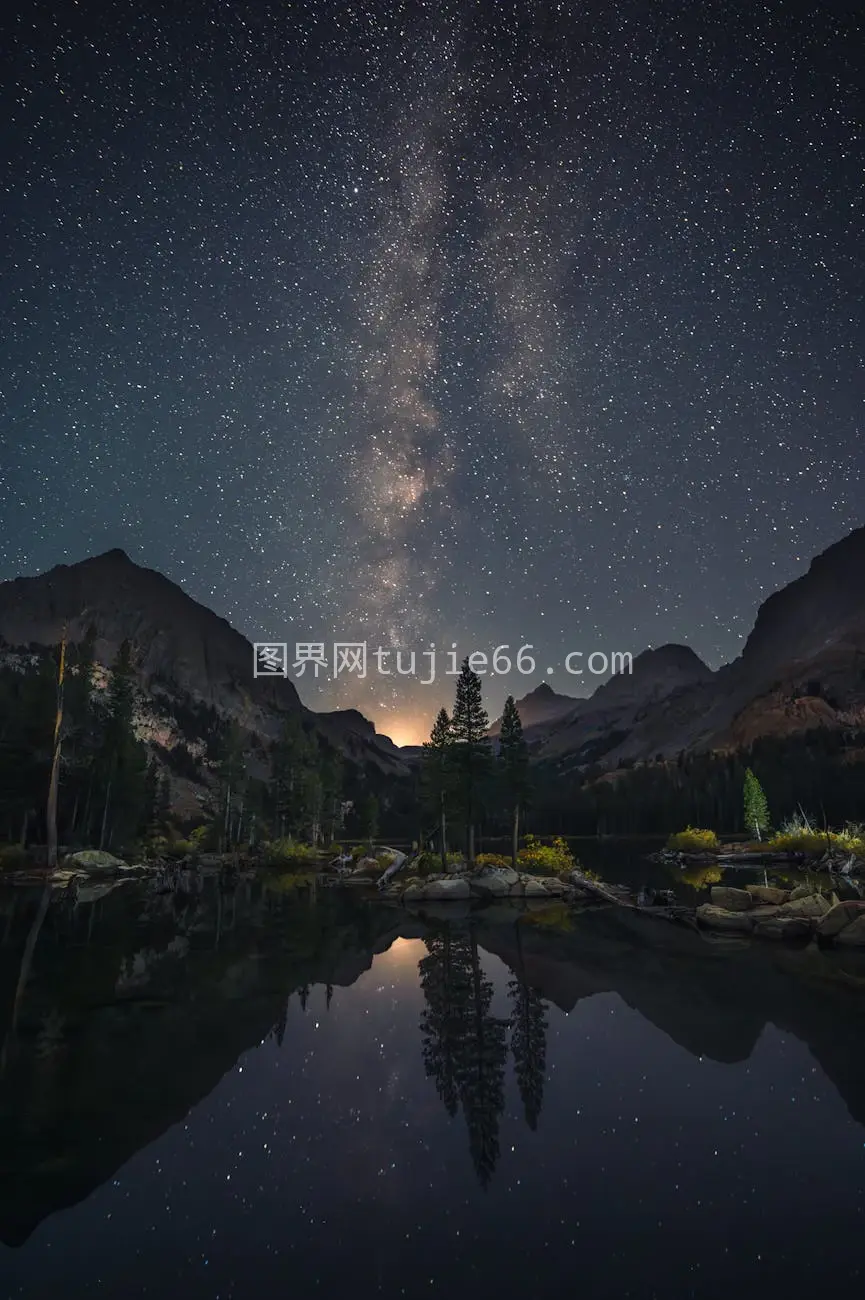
(204, 837)
(492, 860)
(278, 853)
(12, 857)
(179, 849)
(553, 859)
(694, 840)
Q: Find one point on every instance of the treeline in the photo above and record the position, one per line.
(115, 791)
(816, 771)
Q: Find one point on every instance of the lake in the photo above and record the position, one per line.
(249, 1094)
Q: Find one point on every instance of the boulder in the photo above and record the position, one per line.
(813, 906)
(731, 900)
(95, 860)
(447, 890)
(853, 935)
(534, 888)
(839, 917)
(765, 911)
(490, 885)
(801, 891)
(458, 864)
(768, 894)
(784, 927)
(366, 867)
(553, 885)
(719, 918)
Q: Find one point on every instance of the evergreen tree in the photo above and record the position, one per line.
(756, 807)
(514, 763)
(123, 761)
(471, 753)
(231, 775)
(291, 758)
(369, 815)
(437, 776)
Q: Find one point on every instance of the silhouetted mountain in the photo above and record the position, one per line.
(186, 657)
(802, 666)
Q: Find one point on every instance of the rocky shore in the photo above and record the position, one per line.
(771, 913)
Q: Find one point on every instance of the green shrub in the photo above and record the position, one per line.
(553, 859)
(283, 852)
(12, 857)
(694, 840)
(288, 882)
(177, 849)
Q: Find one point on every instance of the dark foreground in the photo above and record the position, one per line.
(243, 1095)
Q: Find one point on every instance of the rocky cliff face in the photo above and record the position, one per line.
(803, 665)
(183, 652)
(540, 709)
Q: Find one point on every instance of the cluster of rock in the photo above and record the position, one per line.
(486, 883)
(772, 913)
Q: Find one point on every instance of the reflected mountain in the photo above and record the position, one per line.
(138, 1004)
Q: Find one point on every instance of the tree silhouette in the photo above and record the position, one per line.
(528, 1022)
(445, 977)
(482, 1059)
(514, 765)
(471, 751)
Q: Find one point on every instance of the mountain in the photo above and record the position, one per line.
(539, 708)
(190, 663)
(802, 666)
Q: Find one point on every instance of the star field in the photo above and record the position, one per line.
(494, 323)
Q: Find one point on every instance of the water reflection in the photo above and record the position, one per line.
(139, 1006)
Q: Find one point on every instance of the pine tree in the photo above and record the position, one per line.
(528, 1039)
(469, 725)
(369, 815)
(481, 1069)
(756, 807)
(437, 775)
(231, 772)
(123, 760)
(514, 763)
(445, 977)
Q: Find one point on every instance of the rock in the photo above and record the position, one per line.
(553, 885)
(457, 865)
(768, 894)
(853, 935)
(534, 888)
(813, 905)
(518, 889)
(801, 891)
(719, 918)
(94, 860)
(784, 927)
(839, 917)
(365, 866)
(731, 900)
(490, 885)
(447, 889)
(765, 911)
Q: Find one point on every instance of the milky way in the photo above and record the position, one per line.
(486, 323)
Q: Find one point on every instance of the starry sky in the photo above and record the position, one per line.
(407, 322)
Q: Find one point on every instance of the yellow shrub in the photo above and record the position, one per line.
(694, 840)
(283, 852)
(492, 860)
(553, 859)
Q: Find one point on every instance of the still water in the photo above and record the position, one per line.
(252, 1095)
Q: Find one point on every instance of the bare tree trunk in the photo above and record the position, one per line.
(471, 853)
(105, 814)
(54, 783)
(515, 836)
(443, 831)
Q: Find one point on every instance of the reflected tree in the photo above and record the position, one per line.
(445, 977)
(528, 1024)
(482, 1070)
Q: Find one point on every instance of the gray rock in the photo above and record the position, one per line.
(731, 900)
(813, 906)
(95, 860)
(839, 917)
(447, 890)
(719, 918)
(489, 885)
(768, 894)
(534, 888)
(853, 935)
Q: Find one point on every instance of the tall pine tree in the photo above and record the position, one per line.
(471, 749)
(514, 765)
(437, 776)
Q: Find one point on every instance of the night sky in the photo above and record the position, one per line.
(485, 323)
